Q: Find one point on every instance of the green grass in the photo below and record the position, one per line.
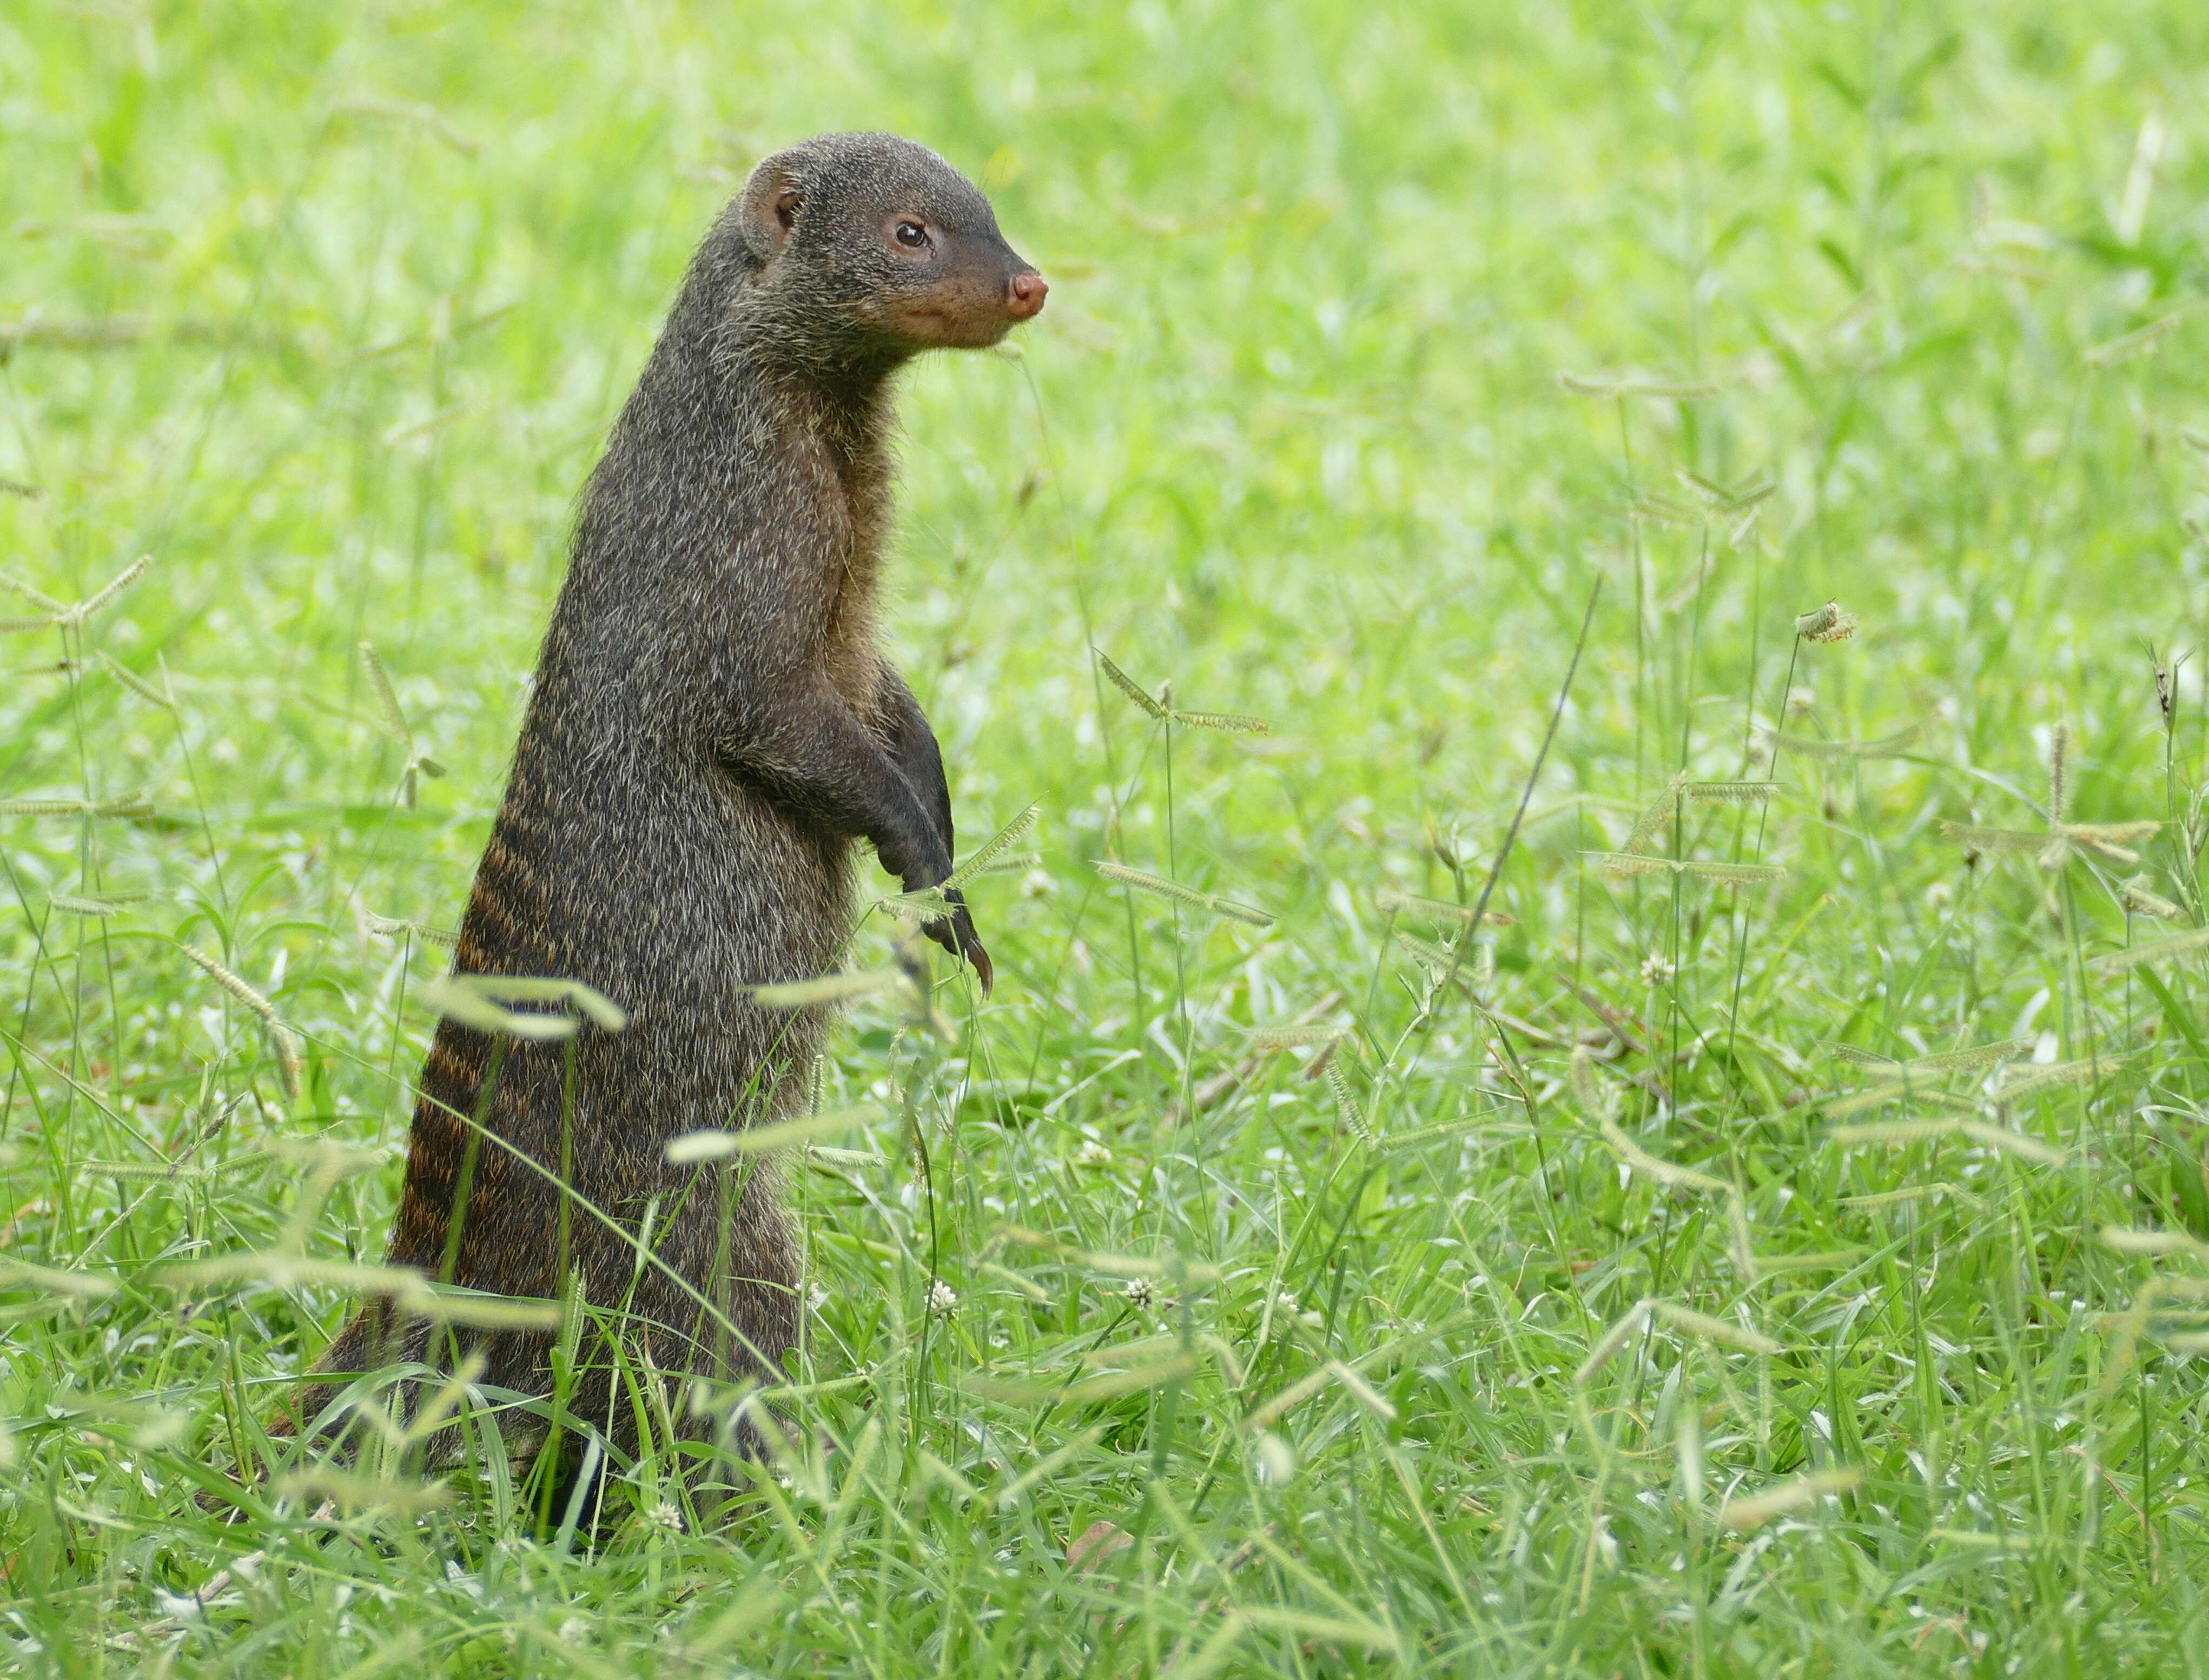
(327, 308)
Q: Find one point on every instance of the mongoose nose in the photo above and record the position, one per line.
(1026, 295)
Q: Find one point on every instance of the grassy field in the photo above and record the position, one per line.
(1644, 1285)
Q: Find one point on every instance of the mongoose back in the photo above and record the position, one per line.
(711, 728)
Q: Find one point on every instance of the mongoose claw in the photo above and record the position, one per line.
(970, 946)
(955, 933)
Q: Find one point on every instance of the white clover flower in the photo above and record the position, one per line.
(942, 1297)
(1658, 970)
(1139, 1294)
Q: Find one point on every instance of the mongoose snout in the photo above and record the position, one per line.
(1028, 290)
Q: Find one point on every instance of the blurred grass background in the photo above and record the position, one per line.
(325, 310)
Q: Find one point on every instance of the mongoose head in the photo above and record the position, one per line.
(870, 245)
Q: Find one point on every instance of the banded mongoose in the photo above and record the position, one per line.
(711, 728)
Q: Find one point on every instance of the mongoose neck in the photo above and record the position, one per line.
(850, 402)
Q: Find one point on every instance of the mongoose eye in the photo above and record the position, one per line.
(911, 235)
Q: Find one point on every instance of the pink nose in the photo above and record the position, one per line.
(1025, 297)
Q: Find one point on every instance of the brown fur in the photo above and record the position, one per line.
(712, 726)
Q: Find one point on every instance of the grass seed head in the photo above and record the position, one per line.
(2059, 771)
(132, 681)
(1730, 792)
(1228, 723)
(1829, 624)
(1346, 1107)
(105, 597)
(1659, 811)
(1128, 685)
(281, 1037)
(393, 928)
(1785, 1498)
(1158, 887)
(993, 850)
(1391, 902)
(2144, 341)
(2139, 900)
(38, 597)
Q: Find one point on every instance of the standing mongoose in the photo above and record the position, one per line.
(711, 728)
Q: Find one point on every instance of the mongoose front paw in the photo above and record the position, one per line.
(920, 861)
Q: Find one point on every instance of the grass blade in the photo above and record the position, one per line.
(830, 988)
(717, 1145)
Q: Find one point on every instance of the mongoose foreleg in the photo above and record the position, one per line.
(809, 751)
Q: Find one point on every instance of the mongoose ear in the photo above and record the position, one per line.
(773, 198)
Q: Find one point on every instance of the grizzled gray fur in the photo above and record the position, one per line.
(712, 726)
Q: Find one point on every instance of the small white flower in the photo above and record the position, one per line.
(1139, 1294)
(1656, 971)
(665, 1515)
(1286, 1303)
(942, 1297)
(1093, 1154)
(1038, 883)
